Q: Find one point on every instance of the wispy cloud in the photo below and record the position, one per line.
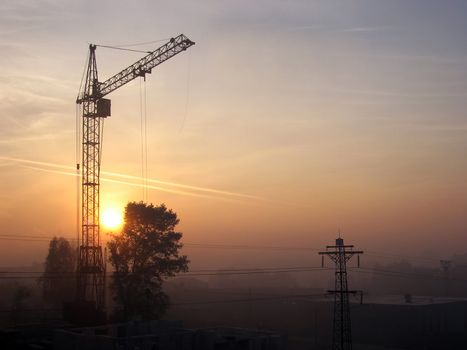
(302, 27)
(336, 29)
(363, 29)
(433, 59)
(393, 93)
(50, 136)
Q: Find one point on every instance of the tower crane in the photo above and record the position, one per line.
(91, 265)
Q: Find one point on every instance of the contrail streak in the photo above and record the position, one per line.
(17, 160)
(196, 188)
(124, 176)
(169, 190)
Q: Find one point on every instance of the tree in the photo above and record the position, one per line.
(143, 256)
(58, 279)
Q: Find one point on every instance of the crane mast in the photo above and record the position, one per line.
(91, 264)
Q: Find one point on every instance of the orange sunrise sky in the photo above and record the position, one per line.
(287, 121)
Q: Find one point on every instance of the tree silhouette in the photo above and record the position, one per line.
(58, 279)
(143, 256)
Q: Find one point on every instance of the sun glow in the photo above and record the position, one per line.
(111, 218)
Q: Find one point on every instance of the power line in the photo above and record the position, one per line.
(220, 270)
(272, 269)
(185, 244)
(69, 274)
(389, 273)
(225, 301)
(390, 255)
(32, 237)
(242, 246)
(29, 310)
(252, 272)
(39, 238)
(251, 299)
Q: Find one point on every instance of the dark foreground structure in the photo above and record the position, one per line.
(165, 335)
(389, 322)
(411, 322)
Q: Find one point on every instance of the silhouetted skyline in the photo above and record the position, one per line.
(285, 122)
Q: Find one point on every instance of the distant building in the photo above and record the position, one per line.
(165, 335)
(411, 322)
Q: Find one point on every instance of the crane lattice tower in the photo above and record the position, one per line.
(91, 265)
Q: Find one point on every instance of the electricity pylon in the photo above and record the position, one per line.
(340, 254)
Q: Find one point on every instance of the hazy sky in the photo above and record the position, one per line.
(312, 115)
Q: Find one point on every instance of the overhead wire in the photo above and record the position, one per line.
(225, 301)
(219, 270)
(390, 255)
(242, 246)
(250, 299)
(392, 273)
(203, 245)
(255, 299)
(249, 271)
(256, 272)
(71, 274)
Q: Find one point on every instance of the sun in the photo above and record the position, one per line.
(111, 218)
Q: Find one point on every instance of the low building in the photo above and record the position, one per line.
(411, 322)
(164, 335)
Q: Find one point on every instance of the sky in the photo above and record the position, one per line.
(286, 122)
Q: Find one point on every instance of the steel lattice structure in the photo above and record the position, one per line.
(91, 265)
(342, 331)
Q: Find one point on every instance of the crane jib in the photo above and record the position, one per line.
(144, 65)
(140, 68)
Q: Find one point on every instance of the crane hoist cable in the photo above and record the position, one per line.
(187, 96)
(146, 141)
(143, 137)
